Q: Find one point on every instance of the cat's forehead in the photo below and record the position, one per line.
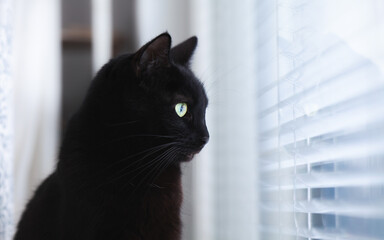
(190, 89)
(182, 97)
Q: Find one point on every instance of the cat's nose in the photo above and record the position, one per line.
(204, 136)
(204, 140)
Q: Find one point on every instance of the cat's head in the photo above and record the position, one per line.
(153, 94)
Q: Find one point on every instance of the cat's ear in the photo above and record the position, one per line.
(183, 52)
(154, 54)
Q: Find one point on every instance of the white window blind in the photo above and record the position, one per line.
(321, 119)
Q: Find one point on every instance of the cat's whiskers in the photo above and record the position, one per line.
(160, 160)
(144, 166)
(151, 151)
(162, 168)
(148, 152)
(170, 159)
(151, 163)
(135, 136)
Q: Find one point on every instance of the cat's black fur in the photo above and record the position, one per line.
(118, 175)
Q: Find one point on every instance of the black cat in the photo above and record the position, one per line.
(118, 175)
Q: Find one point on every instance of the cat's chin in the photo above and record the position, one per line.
(189, 156)
(186, 158)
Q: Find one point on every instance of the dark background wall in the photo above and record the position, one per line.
(76, 47)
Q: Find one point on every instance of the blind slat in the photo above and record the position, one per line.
(332, 50)
(368, 105)
(324, 180)
(358, 150)
(363, 75)
(345, 208)
(316, 233)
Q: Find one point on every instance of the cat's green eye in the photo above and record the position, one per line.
(181, 109)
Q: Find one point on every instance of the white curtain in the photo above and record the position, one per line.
(233, 125)
(36, 83)
(101, 33)
(6, 133)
